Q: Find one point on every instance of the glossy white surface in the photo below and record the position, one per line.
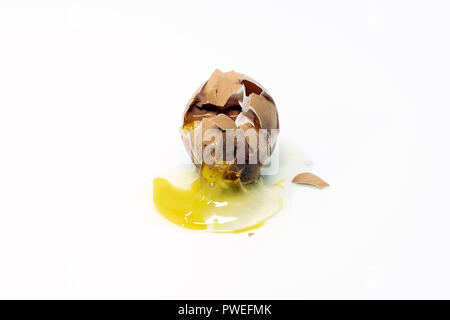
(91, 96)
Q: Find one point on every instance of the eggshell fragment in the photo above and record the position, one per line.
(265, 111)
(223, 122)
(309, 179)
(220, 87)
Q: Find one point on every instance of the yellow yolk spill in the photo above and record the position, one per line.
(279, 183)
(215, 204)
(190, 126)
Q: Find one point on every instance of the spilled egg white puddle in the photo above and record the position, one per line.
(190, 201)
(211, 207)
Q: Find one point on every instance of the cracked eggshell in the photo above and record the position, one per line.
(230, 101)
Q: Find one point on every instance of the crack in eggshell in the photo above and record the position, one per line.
(230, 100)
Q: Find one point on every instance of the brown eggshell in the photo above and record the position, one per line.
(309, 179)
(230, 101)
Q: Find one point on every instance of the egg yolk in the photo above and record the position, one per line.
(190, 126)
(215, 204)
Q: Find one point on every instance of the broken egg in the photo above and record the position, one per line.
(231, 123)
(230, 128)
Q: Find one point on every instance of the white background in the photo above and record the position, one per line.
(91, 97)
